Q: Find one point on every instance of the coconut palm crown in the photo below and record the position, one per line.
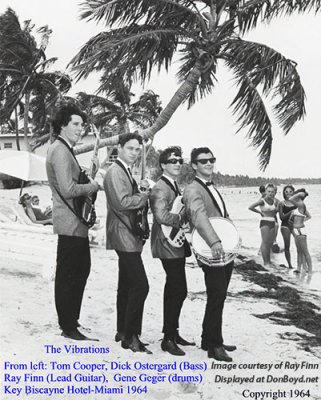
(146, 34)
(24, 75)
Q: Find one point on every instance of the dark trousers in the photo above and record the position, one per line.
(217, 280)
(73, 267)
(131, 294)
(175, 292)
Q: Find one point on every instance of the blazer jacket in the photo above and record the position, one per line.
(161, 201)
(63, 173)
(200, 206)
(121, 200)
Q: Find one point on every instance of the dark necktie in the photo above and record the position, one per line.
(130, 174)
(177, 191)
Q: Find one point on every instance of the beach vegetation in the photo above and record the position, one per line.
(28, 86)
(201, 36)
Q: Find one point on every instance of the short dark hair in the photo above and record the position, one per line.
(287, 187)
(197, 151)
(123, 139)
(63, 117)
(165, 154)
(22, 199)
(262, 189)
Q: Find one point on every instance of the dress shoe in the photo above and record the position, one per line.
(171, 347)
(76, 335)
(218, 353)
(227, 347)
(119, 337)
(135, 345)
(182, 341)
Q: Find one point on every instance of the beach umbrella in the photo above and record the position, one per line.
(23, 165)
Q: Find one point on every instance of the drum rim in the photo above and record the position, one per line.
(218, 218)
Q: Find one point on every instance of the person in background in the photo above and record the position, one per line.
(299, 216)
(285, 210)
(267, 207)
(34, 216)
(275, 247)
(39, 212)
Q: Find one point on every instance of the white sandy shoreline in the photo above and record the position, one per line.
(29, 323)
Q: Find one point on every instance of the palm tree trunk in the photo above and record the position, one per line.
(163, 118)
(17, 128)
(26, 121)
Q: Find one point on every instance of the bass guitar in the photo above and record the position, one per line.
(175, 236)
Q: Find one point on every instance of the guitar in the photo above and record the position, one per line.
(175, 236)
(86, 205)
(141, 227)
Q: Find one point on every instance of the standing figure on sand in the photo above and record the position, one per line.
(172, 258)
(73, 253)
(123, 200)
(267, 207)
(300, 215)
(203, 201)
(285, 210)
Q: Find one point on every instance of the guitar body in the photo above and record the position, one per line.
(85, 205)
(175, 236)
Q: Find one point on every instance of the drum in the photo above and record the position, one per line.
(231, 242)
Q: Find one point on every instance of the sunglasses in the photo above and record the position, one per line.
(175, 161)
(204, 161)
(143, 189)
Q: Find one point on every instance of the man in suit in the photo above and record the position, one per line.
(173, 258)
(203, 201)
(123, 200)
(73, 254)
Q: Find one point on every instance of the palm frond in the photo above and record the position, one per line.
(129, 52)
(252, 114)
(275, 73)
(249, 13)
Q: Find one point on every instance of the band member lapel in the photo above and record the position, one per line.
(213, 199)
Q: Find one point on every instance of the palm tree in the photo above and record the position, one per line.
(24, 71)
(146, 34)
(114, 112)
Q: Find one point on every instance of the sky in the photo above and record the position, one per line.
(209, 122)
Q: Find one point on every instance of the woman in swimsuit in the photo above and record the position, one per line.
(268, 210)
(299, 216)
(285, 211)
(25, 201)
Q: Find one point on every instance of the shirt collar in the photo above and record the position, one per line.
(172, 181)
(203, 180)
(66, 141)
(124, 164)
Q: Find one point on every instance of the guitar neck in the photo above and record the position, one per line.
(92, 170)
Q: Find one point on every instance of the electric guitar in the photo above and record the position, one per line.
(175, 236)
(86, 204)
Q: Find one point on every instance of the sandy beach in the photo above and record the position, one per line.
(274, 321)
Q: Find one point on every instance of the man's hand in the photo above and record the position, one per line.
(217, 250)
(95, 162)
(94, 183)
(144, 186)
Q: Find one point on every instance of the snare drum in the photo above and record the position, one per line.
(228, 234)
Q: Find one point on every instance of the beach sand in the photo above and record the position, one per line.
(261, 316)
